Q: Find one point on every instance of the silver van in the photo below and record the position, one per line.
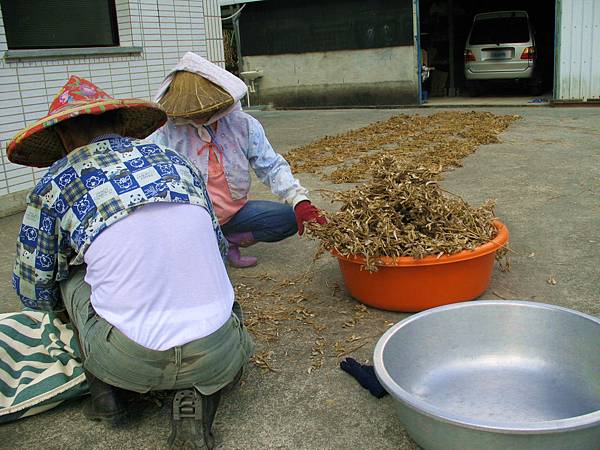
(501, 46)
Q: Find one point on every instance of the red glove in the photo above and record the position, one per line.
(306, 212)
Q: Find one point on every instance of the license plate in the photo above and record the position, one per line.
(499, 55)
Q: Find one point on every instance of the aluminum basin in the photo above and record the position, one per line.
(495, 375)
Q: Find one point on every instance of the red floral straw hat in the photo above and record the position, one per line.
(38, 144)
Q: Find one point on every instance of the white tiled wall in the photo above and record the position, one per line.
(214, 32)
(165, 29)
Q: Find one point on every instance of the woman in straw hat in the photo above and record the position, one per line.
(207, 124)
(120, 232)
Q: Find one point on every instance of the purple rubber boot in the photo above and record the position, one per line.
(237, 240)
(245, 239)
(237, 260)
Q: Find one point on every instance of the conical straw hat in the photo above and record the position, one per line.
(193, 96)
(38, 145)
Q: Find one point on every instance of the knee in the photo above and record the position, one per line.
(287, 224)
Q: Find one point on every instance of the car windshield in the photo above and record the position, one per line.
(499, 30)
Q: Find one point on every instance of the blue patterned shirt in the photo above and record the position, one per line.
(86, 191)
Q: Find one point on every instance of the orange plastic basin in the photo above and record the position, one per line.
(408, 284)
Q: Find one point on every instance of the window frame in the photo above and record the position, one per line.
(129, 49)
(114, 32)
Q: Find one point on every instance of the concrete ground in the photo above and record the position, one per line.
(545, 175)
(507, 96)
(486, 101)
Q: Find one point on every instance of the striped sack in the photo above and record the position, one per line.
(39, 364)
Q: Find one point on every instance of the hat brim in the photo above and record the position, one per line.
(38, 145)
(190, 96)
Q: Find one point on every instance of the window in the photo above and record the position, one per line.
(298, 26)
(40, 24)
(500, 30)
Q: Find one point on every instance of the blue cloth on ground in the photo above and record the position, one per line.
(365, 375)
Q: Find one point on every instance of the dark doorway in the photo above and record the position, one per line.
(444, 29)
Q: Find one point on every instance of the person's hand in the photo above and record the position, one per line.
(306, 212)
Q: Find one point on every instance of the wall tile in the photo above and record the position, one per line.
(166, 29)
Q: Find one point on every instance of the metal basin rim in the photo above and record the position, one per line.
(442, 415)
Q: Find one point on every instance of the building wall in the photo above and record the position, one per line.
(381, 76)
(578, 50)
(164, 29)
(213, 32)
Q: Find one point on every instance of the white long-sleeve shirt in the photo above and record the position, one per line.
(244, 145)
